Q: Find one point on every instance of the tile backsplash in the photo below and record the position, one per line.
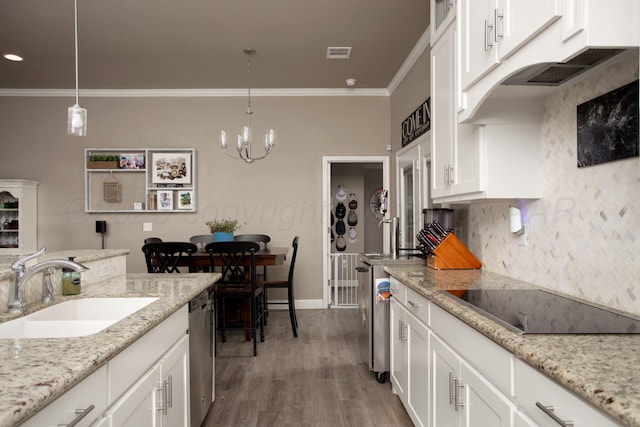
(583, 235)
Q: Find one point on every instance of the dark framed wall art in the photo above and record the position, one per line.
(608, 126)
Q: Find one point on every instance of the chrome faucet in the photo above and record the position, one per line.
(21, 274)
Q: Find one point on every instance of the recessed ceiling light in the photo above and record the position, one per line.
(13, 57)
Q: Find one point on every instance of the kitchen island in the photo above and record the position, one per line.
(34, 372)
(599, 368)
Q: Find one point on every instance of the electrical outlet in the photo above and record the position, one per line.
(105, 269)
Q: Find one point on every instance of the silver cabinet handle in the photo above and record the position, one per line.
(452, 389)
(498, 16)
(170, 388)
(81, 413)
(413, 303)
(488, 43)
(459, 386)
(549, 410)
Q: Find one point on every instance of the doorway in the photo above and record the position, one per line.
(349, 225)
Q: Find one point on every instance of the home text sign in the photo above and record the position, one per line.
(417, 123)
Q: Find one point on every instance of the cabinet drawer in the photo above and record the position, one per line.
(418, 305)
(90, 391)
(398, 290)
(483, 354)
(533, 386)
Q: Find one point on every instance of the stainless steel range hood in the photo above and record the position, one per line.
(556, 73)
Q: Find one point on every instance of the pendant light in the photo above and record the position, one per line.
(245, 136)
(76, 115)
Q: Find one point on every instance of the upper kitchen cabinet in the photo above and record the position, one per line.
(443, 13)
(496, 160)
(491, 30)
(18, 216)
(542, 43)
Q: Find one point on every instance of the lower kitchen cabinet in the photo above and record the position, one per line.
(160, 397)
(409, 339)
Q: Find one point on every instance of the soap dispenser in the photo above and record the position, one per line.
(70, 281)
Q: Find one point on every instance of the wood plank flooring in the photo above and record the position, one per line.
(317, 379)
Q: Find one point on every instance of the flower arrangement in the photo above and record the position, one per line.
(223, 225)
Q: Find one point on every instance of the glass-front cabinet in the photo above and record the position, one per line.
(18, 216)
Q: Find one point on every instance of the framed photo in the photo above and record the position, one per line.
(111, 191)
(171, 168)
(185, 199)
(132, 161)
(165, 200)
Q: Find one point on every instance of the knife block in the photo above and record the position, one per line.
(452, 254)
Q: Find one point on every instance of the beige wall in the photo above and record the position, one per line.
(280, 196)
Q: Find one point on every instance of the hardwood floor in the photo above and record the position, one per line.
(317, 379)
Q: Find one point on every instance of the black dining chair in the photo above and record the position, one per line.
(166, 257)
(262, 240)
(201, 239)
(152, 240)
(284, 284)
(237, 289)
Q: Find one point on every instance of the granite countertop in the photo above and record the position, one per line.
(33, 372)
(600, 368)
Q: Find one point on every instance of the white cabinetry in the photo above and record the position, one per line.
(18, 216)
(455, 156)
(142, 180)
(145, 385)
(84, 403)
(443, 12)
(160, 397)
(543, 399)
(409, 338)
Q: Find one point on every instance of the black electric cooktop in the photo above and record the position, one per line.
(535, 311)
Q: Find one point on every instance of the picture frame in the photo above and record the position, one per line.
(132, 161)
(185, 199)
(111, 191)
(165, 200)
(171, 168)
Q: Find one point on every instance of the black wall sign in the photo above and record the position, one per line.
(417, 123)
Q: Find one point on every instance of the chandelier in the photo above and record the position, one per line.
(76, 115)
(245, 136)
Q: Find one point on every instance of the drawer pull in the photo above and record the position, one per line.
(413, 304)
(81, 413)
(550, 412)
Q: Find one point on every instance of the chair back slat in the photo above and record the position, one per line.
(164, 257)
(235, 257)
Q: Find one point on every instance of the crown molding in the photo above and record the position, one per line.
(422, 44)
(191, 93)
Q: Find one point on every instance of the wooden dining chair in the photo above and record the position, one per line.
(284, 284)
(262, 240)
(164, 257)
(237, 288)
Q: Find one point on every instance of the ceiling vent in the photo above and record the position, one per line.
(556, 73)
(338, 52)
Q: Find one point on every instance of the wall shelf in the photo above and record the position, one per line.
(143, 180)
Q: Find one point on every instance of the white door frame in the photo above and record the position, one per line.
(327, 161)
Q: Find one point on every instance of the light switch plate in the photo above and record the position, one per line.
(147, 226)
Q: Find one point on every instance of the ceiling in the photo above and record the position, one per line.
(198, 44)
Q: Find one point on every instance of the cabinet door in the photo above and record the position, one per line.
(483, 404)
(522, 20)
(174, 368)
(467, 171)
(399, 350)
(445, 367)
(479, 51)
(137, 407)
(443, 12)
(442, 112)
(418, 401)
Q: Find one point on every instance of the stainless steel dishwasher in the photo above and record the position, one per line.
(201, 368)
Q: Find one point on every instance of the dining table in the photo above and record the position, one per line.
(266, 256)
